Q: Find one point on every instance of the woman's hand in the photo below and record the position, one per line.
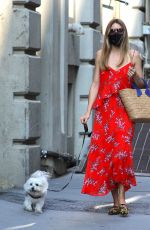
(133, 76)
(135, 72)
(85, 117)
(131, 72)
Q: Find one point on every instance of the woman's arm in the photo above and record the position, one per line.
(93, 90)
(136, 71)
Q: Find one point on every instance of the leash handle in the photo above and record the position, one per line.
(85, 127)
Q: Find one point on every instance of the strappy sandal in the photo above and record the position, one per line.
(115, 210)
(124, 210)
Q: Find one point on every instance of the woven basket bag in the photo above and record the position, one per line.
(137, 103)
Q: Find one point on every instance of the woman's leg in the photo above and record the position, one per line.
(123, 207)
(121, 194)
(115, 209)
(114, 193)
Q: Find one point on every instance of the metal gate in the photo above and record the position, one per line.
(141, 148)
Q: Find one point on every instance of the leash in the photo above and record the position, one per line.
(77, 161)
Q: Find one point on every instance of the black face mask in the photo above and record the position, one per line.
(115, 38)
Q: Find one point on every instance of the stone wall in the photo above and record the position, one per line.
(19, 88)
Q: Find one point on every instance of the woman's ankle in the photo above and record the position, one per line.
(122, 202)
(116, 204)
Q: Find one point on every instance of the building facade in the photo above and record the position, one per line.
(20, 39)
(47, 52)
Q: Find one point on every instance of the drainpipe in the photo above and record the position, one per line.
(147, 13)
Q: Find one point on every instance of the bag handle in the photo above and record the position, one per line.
(147, 91)
(134, 85)
(139, 91)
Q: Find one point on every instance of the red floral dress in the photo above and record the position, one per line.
(110, 158)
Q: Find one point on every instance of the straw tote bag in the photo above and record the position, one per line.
(137, 103)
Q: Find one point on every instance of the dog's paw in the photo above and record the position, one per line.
(29, 209)
(38, 210)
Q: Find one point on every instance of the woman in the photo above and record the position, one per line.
(110, 162)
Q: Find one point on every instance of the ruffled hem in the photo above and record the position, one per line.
(93, 193)
(107, 92)
(99, 100)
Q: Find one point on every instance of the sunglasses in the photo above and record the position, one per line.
(120, 30)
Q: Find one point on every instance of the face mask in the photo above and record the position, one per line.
(115, 38)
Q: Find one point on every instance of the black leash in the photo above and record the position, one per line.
(84, 135)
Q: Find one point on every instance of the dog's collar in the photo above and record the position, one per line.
(34, 196)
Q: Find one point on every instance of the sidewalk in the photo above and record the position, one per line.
(70, 209)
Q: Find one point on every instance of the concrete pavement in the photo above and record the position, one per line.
(70, 209)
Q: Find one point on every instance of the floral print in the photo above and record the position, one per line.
(110, 158)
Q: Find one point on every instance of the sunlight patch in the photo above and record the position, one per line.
(20, 227)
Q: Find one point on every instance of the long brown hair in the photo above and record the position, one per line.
(106, 48)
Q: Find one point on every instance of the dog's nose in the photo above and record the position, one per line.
(33, 189)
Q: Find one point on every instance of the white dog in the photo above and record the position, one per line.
(36, 189)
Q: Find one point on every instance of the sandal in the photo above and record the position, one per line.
(124, 210)
(115, 210)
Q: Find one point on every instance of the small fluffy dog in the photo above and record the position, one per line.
(36, 189)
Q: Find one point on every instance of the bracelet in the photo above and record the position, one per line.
(138, 79)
